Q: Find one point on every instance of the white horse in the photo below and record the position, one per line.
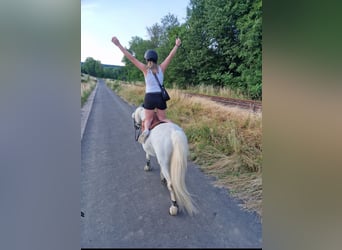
(168, 143)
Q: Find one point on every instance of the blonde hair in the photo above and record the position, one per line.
(152, 66)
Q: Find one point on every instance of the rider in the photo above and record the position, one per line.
(153, 98)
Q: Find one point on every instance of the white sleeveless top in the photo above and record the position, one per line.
(152, 85)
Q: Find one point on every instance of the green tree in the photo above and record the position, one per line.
(250, 49)
(155, 33)
(224, 43)
(137, 47)
(93, 67)
(89, 66)
(98, 69)
(221, 46)
(196, 44)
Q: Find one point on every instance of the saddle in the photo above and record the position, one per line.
(154, 122)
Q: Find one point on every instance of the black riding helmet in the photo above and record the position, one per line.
(151, 55)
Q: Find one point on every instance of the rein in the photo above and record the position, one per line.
(137, 127)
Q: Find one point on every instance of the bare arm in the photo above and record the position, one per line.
(130, 57)
(168, 59)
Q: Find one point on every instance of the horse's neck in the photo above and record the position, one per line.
(154, 122)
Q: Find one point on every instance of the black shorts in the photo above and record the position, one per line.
(154, 100)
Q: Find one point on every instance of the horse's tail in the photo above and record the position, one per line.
(178, 169)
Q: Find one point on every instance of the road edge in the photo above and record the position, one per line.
(86, 109)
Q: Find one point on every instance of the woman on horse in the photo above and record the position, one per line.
(153, 98)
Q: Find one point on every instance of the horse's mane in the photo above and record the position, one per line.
(139, 114)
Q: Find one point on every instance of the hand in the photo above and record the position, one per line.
(115, 40)
(178, 42)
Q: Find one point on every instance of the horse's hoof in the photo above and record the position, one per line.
(173, 210)
(147, 168)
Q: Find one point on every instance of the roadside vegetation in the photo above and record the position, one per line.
(225, 142)
(214, 91)
(88, 83)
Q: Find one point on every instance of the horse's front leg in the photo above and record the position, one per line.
(148, 163)
(162, 179)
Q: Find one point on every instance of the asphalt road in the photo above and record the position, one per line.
(126, 207)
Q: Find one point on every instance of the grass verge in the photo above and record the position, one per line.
(87, 86)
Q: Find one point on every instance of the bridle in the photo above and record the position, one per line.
(137, 128)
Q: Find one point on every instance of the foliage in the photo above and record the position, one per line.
(137, 48)
(221, 46)
(225, 41)
(92, 67)
(96, 69)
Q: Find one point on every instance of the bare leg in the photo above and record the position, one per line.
(147, 124)
(162, 115)
(148, 118)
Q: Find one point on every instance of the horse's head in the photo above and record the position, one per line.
(138, 116)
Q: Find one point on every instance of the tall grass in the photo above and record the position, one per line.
(215, 91)
(87, 85)
(224, 142)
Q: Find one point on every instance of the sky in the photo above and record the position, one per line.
(103, 19)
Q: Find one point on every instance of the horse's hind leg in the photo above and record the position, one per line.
(148, 163)
(174, 207)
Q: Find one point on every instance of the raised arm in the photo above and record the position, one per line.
(168, 59)
(130, 57)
